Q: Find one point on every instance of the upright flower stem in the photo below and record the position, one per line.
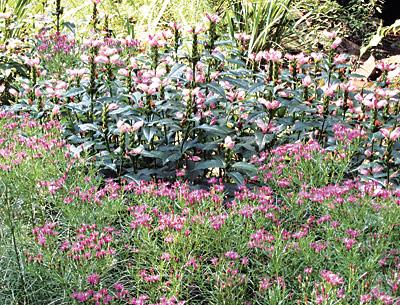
(92, 88)
(58, 13)
(195, 56)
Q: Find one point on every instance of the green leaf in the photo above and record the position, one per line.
(74, 92)
(154, 154)
(375, 40)
(173, 157)
(219, 56)
(176, 71)
(238, 177)
(88, 126)
(215, 130)
(240, 83)
(70, 26)
(257, 87)
(216, 163)
(216, 88)
(121, 110)
(149, 132)
(136, 96)
(245, 168)
(262, 139)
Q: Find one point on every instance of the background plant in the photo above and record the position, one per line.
(266, 22)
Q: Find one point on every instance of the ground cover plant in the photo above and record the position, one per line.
(85, 241)
(195, 166)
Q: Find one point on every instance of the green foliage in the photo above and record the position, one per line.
(359, 18)
(265, 21)
(67, 237)
(10, 70)
(309, 18)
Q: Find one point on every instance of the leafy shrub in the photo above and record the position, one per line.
(200, 106)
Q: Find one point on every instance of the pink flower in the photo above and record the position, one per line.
(331, 277)
(32, 62)
(13, 92)
(166, 256)
(232, 255)
(386, 299)
(265, 128)
(135, 151)
(385, 66)
(81, 296)
(194, 158)
(155, 41)
(4, 16)
(336, 43)
(371, 102)
(93, 279)
(56, 110)
(391, 134)
(196, 29)
(174, 26)
(265, 283)
(212, 18)
(349, 242)
(38, 93)
(340, 59)
(329, 90)
(123, 72)
(180, 172)
(123, 127)
(101, 59)
(274, 55)
(365, 298)
(137, 125)
(341, 293)
(316, 56)
(113, 106)
(270, 105)
(229, 143)
(307, 81)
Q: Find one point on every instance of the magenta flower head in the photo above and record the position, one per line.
(365, 298)
(93, 279)
(232, 255)
(331, 278)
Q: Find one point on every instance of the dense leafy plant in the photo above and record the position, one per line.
(198, 105)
